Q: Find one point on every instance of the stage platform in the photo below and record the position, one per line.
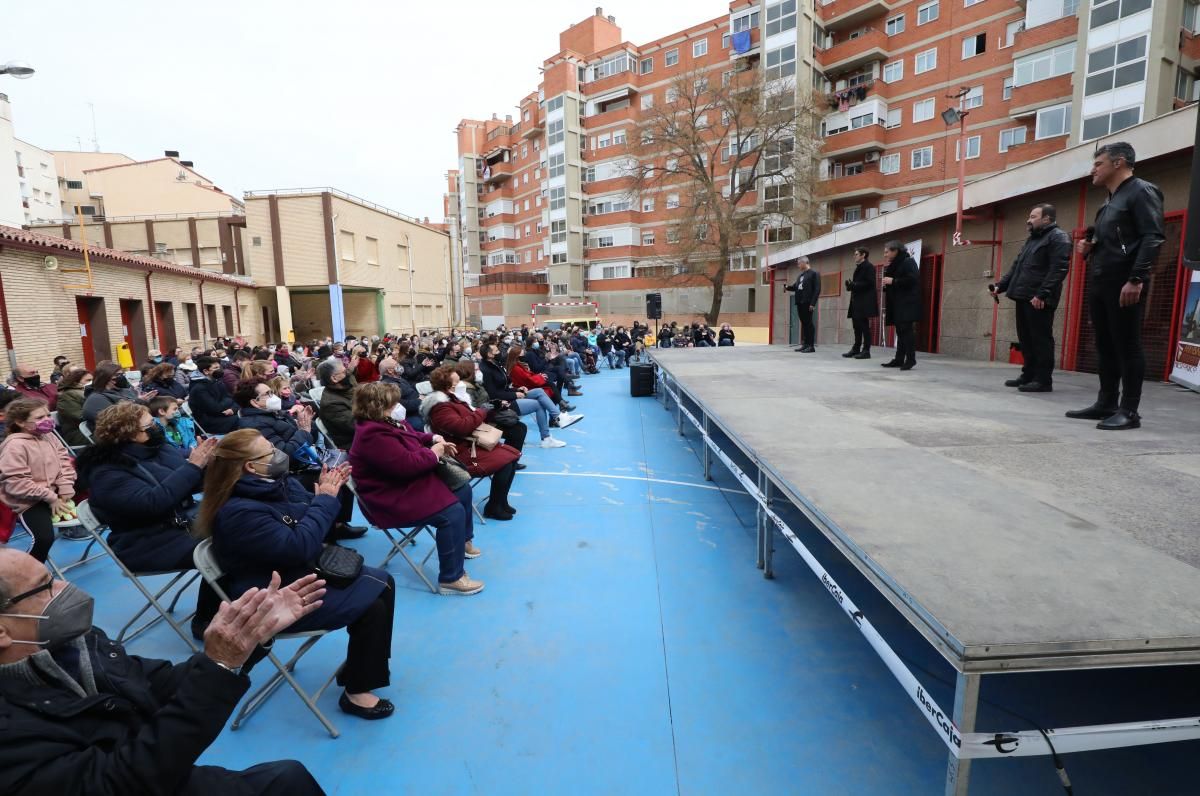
(1013, 537)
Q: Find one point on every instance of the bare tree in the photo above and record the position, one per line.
(738, 155)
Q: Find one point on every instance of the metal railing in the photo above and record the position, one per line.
(349, 197)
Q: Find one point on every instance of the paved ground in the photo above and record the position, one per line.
(627, 645)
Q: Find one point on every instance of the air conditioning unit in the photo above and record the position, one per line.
(872, 157)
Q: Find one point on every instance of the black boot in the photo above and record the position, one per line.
(866, 354)
(1121, 420)
(853, 352)
(1097, 411)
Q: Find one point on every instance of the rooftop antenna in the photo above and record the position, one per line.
(95, 135)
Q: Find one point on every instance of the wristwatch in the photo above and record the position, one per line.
(1135, 280)
(230, 669)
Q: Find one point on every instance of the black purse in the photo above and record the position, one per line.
(338, 566)
(504, 417)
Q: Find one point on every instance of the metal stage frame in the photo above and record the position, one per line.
(770, 489)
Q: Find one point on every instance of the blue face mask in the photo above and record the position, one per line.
(156, 359)
(536, 346)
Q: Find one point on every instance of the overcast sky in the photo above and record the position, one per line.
(359, 95)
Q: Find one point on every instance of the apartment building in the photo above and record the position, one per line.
(28, 176)
(329, 263)
(1035, 77)
(543, 202)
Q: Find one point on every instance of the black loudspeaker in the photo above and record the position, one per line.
(641, 379)
(654, 306)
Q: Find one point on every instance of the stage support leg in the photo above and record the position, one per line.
(761, 516)
(679, 413)
(966, 702)
(707, 451)
(768, 492)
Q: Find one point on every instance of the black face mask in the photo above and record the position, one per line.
(33, 382)
(155, 437)
(121, 382)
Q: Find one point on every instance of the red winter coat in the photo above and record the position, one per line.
(522, 377)
(455, 421)
(365, 371)
(394, 474)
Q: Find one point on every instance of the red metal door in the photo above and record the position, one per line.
(85, 333)
(928, 331)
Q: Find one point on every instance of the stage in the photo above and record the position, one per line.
(1010, 536)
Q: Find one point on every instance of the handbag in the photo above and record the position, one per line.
(452, 473)
(339, 566)
(486, 436)
(505, 417)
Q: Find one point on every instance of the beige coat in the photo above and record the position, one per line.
(34, 469)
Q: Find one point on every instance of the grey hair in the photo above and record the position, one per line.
(802, 259)
(326, 370)
(1119, 149)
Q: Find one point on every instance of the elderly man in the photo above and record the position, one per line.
(28, 382)
(390, 372)
(807, 288)
(82, 716)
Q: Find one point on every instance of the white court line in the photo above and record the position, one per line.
(637, 478)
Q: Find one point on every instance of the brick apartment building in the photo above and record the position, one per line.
(538, 215)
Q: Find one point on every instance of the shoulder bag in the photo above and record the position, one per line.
(338, 566)
(486, 436)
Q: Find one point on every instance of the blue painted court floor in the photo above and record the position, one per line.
(626, 644)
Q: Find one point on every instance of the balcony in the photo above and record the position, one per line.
(867, 183)
(499, 172)
(754, 49)
(535, 126)
(610, 117)
(853, 53)
(499, 283)
(843, 14)
(871, 89)
(1027, 99)
(869, 138)
(619, 218)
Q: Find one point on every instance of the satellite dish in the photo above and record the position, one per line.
(51, 262)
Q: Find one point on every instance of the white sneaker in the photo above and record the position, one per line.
(551, 442)
(565, 419)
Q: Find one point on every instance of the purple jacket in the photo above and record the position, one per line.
(394, 474)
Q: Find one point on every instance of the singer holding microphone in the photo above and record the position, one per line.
(1034, 284)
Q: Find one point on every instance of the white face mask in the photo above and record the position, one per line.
(467, 351)
(460, 390)
(478, 376)
(398, 413)
(274, 403)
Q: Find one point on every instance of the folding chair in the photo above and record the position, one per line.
(187, 410)
(206, 562)
(180, 581)
(315, 393)
(406, 537)
(475, 506)
(325, 436)
(86, 432)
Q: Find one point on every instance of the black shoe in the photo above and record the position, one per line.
(1015, 382)
(908, 365)
(566, 407)
(1121, 420)
(808, 350)
(510, 509)
(1036, 386)
(496, 513)
(800, 349)
(344, 531)
(863, 355)
(853, 352)
(1093, 412)
(891, 363)
(520, 466)
(383, 708)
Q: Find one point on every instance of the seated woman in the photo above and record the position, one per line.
(395, 473)
(73, 390)
(178, 429)
(726, 336)
(161, 379)
(142, 487)
(262, 521)
(109, 386)
(522, 376)
(37, 478)
(471, 379)
(536, 402)
(447, 412)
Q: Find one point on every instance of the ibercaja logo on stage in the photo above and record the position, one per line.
(940, 719)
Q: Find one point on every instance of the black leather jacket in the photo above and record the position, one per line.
(1129, 232)
(1040, 267)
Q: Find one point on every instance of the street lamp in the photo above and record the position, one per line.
(952, 116)
(18, 69)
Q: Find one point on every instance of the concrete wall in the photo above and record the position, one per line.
(154, 187)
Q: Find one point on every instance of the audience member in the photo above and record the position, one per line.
(7, 397)
(37, 478)
(725, 337)
(60, 366)
(161, 379)
(178, 428)
(110, 385)
(73, 389)
(336, 402)
(28, 382)
(525, 402)
(410, 399)
(211, 404)
(396, 479)
(142, 488)
(509, 422)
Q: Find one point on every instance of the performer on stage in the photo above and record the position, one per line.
(902, 302)
(807, 288)
(864, 304)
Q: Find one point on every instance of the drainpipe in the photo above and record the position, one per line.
(153, 322)
(237, 310)
(203, 317)
(8, 338)
(412, 307)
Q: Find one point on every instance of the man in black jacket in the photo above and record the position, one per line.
(82, 716)
(1035, 283)
(1120, 251)
(864, 303)
(807, 288)
(211, 404)
(901, 302)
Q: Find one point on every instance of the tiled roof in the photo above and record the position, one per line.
(50, 244)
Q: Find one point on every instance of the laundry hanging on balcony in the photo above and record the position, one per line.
(740, 41)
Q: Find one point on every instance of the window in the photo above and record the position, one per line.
(745, 260)
(192, 321)
(74, 185)
(893, 72)
(600, 242)
(724, 41)
(894, 25)
(610, 205)
(560, 288)
(778, 198)
(1044, 65)
(554, 133)
(672, 164)
(1105, 123)
(699, 86)
(1070, 7)
(554, 104)
(603, 142)
(1191, 17)
(648, 204)
(614, 272)
(589, 174)
(888, 205)
(781, 17)
(647, 66)
(1116, 65)
(647, 101)
(672, 235)
(779, 155)
(745, 22)
(861, 120)
(974, 97)
(1053, 121)
(894, 118)
(973, 144)
(558, 165)
(372, 251)
(1112, 10)
(974, 44)
(699, 48)
(1010, 32)
(922, 158)
(1011, 138)
(529, 255)
(925, 61)
(1185, 84)
(851, 169)
(558, 232)
(852, 213)
(346, 243)
(781, 62)
(648, 238)
(969, 3)
(671, 58)
(923, 110)
(558, 198)
(672, 94)
(779, 234)
(1008, 87)
(890, 164)
(672, 201)
(927, 12)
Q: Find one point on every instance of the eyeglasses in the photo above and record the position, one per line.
(26, 595)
